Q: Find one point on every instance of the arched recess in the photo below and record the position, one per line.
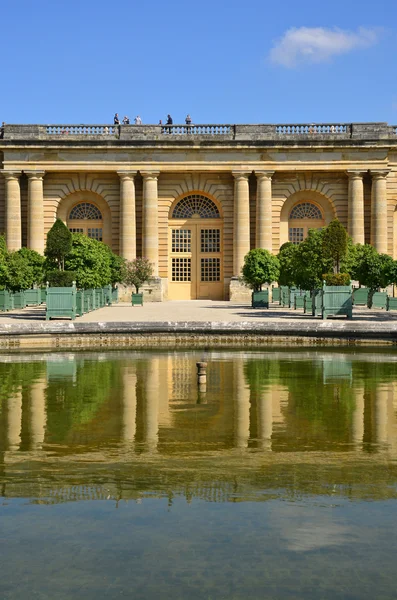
(68, 203)
(195, 238)
(319, 201)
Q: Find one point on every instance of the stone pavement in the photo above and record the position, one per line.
(197, 311)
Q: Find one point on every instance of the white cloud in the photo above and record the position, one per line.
(305, 45)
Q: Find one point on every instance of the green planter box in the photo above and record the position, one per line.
(379, 300)
(80, 303)
(5, 300)
(43, 294)
(275, 294)
(98, 298)
(260, 299)
(299, 302)
(115, 295)
(317, 302)
(308, 305)
(292, 293)
(107, 294)
(33, 297)
(137, 300)
(360, 296)
(391, 303)
(61, 303)
(87, 301)
(337, 300)
(284, 296)
(19, 299)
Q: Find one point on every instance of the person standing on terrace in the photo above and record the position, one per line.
(116, 119)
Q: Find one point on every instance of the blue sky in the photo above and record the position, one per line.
(79, 61)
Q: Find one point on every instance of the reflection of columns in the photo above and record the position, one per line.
(150, 233)
(356, 207)
(265, 417)
(35, 211)
(241, 407)
(264, 238)
(151, 404)
(129, 405)
(381, 411)
(127, 215)
(14, 420)
(379, 211)
(241, 221)
(358, 417)
(13, 211)
(38, 416)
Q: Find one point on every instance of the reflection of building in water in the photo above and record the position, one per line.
(37, 413)
(129, 403)
(151, 404)
(241, 406)
(14, 420)
(358, 416)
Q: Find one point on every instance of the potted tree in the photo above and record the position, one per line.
(137, 272)
(260, 266)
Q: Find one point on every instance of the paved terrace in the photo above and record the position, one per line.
(199, 322)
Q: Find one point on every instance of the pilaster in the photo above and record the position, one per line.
(356, 207)
(264, 238)
(127, 214)
(13, 210)
(150, 234)
(241, 220)
(379, 210)
(35, 210)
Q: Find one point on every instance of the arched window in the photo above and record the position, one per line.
(304, 216)
(86, 218)
(196, 207)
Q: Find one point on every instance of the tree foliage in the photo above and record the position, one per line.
(286, 257)
(335, 243)
(59, 244)
(90, 261)
(371, 269)
(137, 272)
(260, 266)
(309, 261)
(35, 262)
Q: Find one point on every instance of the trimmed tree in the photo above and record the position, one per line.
(335, 243)
(286, 257)
(137, 272)
(260, 266)
(309, 262)
(373, 270)
(58, 245)
(90, 261)
(36, 263)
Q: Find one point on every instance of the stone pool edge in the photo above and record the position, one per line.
(174, 334)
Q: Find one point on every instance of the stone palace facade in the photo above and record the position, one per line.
(195, 199)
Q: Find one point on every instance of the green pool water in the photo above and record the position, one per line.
(121, 477)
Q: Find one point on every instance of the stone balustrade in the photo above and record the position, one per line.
(240, 132)
(309, 129)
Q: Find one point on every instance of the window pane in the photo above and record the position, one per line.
(210, 240)
(181, 269)
(95, 233)
(181, 240)
(296, 235)
(76, 230)
(210, 269)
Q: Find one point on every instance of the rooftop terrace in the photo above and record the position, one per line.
(214, 132)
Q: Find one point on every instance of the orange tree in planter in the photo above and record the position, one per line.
(137, 272)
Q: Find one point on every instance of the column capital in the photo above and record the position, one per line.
(379, 173)
(35, 174)
(352, 174)
(150, 174)
(11, 174)
(264, 174)
(126, 174)
(241, 175)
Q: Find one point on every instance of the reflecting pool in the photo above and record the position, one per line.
(120, 476)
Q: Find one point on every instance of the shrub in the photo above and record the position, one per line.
(260, 266)
(336, 278)
(90, 261)
(59, 244)
(58, 278)
(137, 272)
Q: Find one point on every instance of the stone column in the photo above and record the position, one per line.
(356, 207)
(379, 210)
(241, 221)
(35, 211)
(38, 415)
(241, 406)
(127, 215)
(264, 238)
(150, 229)
(13, 211)
(129, 405)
